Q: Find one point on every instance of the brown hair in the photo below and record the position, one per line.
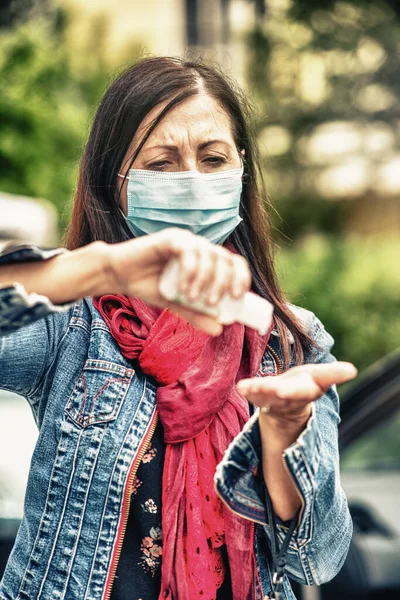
(96, 215)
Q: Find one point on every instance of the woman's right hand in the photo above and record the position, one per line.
(134, 268)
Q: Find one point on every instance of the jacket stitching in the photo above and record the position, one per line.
(78, 322)
(105, 385)
(55, 539)
(128, 433)
(80, 414)
(38, 533)
(83, 512)
(98, 364)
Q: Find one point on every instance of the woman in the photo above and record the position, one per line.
(136, 407)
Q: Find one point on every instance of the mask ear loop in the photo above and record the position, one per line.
(125, 220)
(242, 159)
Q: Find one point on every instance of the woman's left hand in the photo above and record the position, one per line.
(288, 397)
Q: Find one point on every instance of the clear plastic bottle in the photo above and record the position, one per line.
(251, 310)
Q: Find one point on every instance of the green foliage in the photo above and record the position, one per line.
(325, 80)
(354, 43)
(304, 215)
(44, 110)
(378, 449)
(353, 287)
(47, 95)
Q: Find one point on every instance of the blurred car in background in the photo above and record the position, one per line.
(27, 220)
(369, 437)
(18, 435)
(370, 465)
(32, 221)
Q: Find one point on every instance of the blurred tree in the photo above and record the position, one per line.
(337, 49)
(326, 81)
(14, 11)
(45, 106)
(353, 287)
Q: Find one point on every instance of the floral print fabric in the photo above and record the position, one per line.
(151, 551)
(138, 575)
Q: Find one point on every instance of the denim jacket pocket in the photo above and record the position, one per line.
(98, 394)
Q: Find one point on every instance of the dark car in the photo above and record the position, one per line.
(369, 437)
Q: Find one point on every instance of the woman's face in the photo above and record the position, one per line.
(196, 135)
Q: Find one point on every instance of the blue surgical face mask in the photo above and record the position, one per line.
(205, 203)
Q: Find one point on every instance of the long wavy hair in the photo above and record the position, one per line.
(96, 214)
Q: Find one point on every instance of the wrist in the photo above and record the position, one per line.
(91, 263)
(102, 261)
(290, 425)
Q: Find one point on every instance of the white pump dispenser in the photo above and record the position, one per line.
(251, 310)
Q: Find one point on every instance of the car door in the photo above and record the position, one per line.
(369, 437)
(18, 434)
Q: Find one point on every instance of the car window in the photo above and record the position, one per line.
(378, 448)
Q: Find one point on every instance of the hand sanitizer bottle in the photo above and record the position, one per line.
(251, 310)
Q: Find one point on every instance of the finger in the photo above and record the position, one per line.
(184, 246)
(241, 281)
(328, 374)
(260, 397)
(187, 270)
(288, 402)
(298, 389)
(222, 280)
(200, 321)
(302, 384)
(301, 388)
(258, 390)
(204, 274)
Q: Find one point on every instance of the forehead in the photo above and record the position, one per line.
(194, 119)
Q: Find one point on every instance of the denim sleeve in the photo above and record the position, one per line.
(322, 538)
(30, 327)
(17, 307)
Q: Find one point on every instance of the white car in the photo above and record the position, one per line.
(27, 220)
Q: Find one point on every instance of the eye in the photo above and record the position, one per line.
(215, 161)
(159, 165)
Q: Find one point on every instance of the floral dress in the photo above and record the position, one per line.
(138, 575)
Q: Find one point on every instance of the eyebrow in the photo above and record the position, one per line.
(199, 147)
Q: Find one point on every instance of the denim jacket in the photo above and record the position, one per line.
(96, 415)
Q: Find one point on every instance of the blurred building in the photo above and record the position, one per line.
(215, 28)
(331, 152)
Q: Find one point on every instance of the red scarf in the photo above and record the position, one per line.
(201, 412)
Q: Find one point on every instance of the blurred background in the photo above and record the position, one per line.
(324, 82)
(324, 79)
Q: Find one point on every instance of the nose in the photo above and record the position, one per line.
(188, 163)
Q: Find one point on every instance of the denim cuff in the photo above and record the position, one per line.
(307, 447)
(240, 484)
(302, 459)
(13, 253)
(17, 307)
